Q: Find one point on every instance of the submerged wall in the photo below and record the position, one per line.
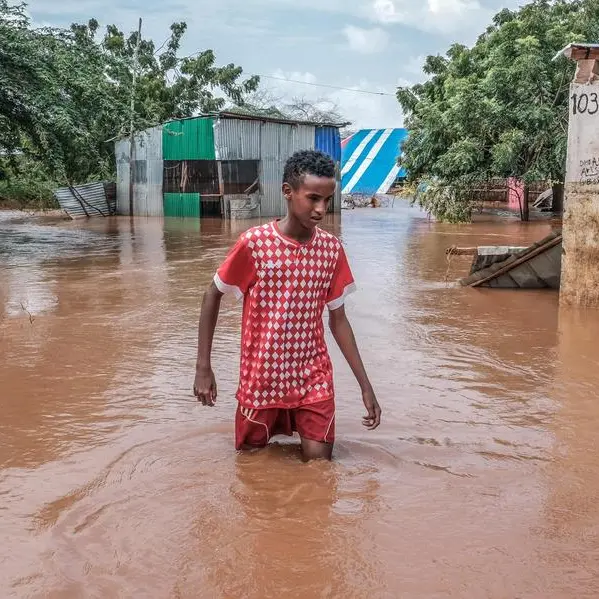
(580, 263)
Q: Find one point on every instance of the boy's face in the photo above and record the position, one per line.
(308, 203)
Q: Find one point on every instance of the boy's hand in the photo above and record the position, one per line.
(204, 386)
(373, 420)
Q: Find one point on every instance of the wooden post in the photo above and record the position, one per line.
(132, 118)
(221, 189)
(557, 203)
(526, 203)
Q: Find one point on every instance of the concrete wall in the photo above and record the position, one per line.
(580, 263)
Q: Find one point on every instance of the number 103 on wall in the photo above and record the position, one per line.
(585, 103)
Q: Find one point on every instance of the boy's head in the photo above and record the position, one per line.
(309, 186)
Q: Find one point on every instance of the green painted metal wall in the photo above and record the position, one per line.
(182, 205)
(189, 139)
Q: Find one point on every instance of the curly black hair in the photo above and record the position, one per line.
(307, 162)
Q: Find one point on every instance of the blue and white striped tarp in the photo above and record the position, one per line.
(369, 161)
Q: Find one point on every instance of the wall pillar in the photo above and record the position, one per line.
(580, 262)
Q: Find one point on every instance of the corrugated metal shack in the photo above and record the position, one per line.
(227, 165)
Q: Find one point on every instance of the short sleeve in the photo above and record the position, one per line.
(238, 272)
(342, 283)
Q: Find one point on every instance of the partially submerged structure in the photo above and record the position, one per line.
(580, 268)
(370, 161)
(224, 165)
(535, 267)
(91, 199)
(568, 260)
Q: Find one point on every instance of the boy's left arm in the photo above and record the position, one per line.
(344, 336)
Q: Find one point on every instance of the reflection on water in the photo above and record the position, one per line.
(114, 482)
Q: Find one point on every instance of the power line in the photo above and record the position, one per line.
(347, 89)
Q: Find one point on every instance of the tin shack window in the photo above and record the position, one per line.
(191, 176)
(240, 176)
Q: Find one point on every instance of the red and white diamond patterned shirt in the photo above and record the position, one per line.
(285, 286)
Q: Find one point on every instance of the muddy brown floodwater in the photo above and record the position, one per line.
(482, 482)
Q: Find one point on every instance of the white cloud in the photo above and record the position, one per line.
(445, 16)
(366, 41)
(452, 6)
(363, 110)
(386, 12)
(366, 111)
(413, 68)
(235, 28)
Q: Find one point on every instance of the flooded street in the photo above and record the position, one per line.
(482, 482)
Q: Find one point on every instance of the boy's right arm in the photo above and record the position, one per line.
(204, 386)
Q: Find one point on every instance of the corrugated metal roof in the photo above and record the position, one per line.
(188, 139)
(148, 144)
(369, 160)
(269, 142)
(84, 201)
(588, 51)
(257, 118)
(281, 121)
(147, 194)
(182, 205)
(121, 151)
(236, 139)
(147, 197)
(278, 143)
(328, 140)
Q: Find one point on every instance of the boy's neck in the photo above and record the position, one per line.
(291, 227)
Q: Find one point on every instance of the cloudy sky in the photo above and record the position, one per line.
(369, 45)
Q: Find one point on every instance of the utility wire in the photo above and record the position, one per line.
(346, 89)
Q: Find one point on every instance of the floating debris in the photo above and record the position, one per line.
(84, 201)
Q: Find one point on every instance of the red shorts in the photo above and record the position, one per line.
(255, 428)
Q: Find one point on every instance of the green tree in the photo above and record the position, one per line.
(170, 86)
(64, 94)
(498, 109)
(54, 96)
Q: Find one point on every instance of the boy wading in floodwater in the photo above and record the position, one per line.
(287, 272)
